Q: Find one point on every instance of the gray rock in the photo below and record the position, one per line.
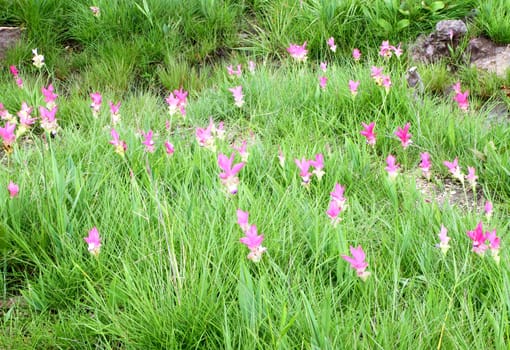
(486, 55)
(9, 36)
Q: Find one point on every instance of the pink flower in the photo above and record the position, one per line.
(324, 66)
(97, 100)
(358, 262)
(322, 82)
(488, 210)
(237, 72)
(242, 220)
(425, 164)
(49, 96)
(24, 115)
(392, 168)
(298, 52)
(376, 74)
(356, 54)
(318, 164)
(397, 50)
(148, 141)
(478, 238)
(14, 71)
(19, 82)
(404, 135)
(205, 137)
(254, 242)
(386, 82)
(229, 177)
(237, 93)
(96, 11)
(120, 146)
(456, 87)
(444, 239)
(368, 132)
(251, 67)
(353, 87)
(7, 134)
(169, 148)
(114, 112)
(281, 157)
(333, 212)
(94, 241)
(494, 244)
(471, 177)
(177, 101)
(304, 167)
(242, 150)
(48, 120)
(331, 44)
(455, 169)
(385, 50)
(13, 189)
(461, 97)
(337, 195)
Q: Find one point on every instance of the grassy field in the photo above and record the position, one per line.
(122, 229)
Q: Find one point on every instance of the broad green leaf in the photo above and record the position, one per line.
(384, 25)
(436, 6)
(403, 23)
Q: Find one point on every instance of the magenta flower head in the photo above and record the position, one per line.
(333, 212)
(404, 135)
(337, 195)
(478, 238)
(494, 244)
(353, 87)
(392, 167)
(254, 242)
(49, 96)
(94, 241)
(386, 82)
(376, 74)
(237, 93)
(120, 146)
(331, 44)
(425, 164)
(318, 164)
(48, 120)
(169, 148)
(368, 132)
(454, 169)
(461, 97)
(323, 66)
(205, 137)
(14, 71)
(471, 177)
(97, 100)
(298, 52)
(177, 101)
(356, 54)
(358, 262)
(148, 141)
(304, 167)
(114, 112)
(488, 210)
(385, 50)
(243, 152)
(322, 82)
(443, 240)
(242, 220)
(13, 189)
(7, 134)
(229, 177)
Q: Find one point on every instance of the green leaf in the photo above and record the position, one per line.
(403, 23)
(385, 25)
(436, 6)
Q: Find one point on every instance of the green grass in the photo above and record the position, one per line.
(171, 272)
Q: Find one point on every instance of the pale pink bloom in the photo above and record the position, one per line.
(25, 114)
(385, 50)
(324, 66)
(333, 212)
(386, 82)
(281, 157)
(38, 60)
(242, 220)
(443, 240)
(488, 210)
(298, 52)
(471, 177)
(97, 100)
(205, 137)
(376, 74)
(251, 67)
(120, 146)
(220, 130)
(237, 93)
(177, 101)
(304, 167)
(392, 167)
(397, 50)
(318, 164)
(5, 115)
(494, 244)
(478, 238)
(114, 112)
(19, 82)
(425, 165)
(358, 262)
(337, 195)
(456, 87)
(148, 141)
(7, 134)
(94, 241)
(237, 72)
(48, 120)
(404, 135)
(322, 82)
(13, 189)
(331, 44)
(368, 132)
(353, 87)
(169, 147)
(254, 242)
(356, 54)
(49, 96)
(96, 11)
(229, 175)
(242, 150)
(454, 169)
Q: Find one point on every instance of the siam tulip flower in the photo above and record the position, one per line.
(425, 164)
(219, 131)
(281, 157)
(25, 119)
(385, 50)
(471, 177)
(368, 132)
(205, 137)
(169, 148)
(404, 135)
(96, 11)
(229, 177)
(48, 120)
(254, 242)
(114, 112)
(444, 239)
(318, 164)
(397, 50)
(120, 146)
(337, 195)
(324, 66)
(19, 82)
(49, 96)
(148, 141)
(461, 97)
(8, 136)
(392, 168)
(376, 74)
(38, 60)
(478, 238)
(331, 44)
(5, 115)
(94, 241)
(322, 82)
(237, 93)
(251, 67)
(242, 150)
(237, 72)
(304, 167)
(14, 72)
(356, 54)
(353, 87)
(494, 244)
(333, 212)
(298, 52)
(455, 169)
(386, 82)
(177, 101)
(488, 210)
(97, 100)
(358, 262)
(242, 220)
(13, 189)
